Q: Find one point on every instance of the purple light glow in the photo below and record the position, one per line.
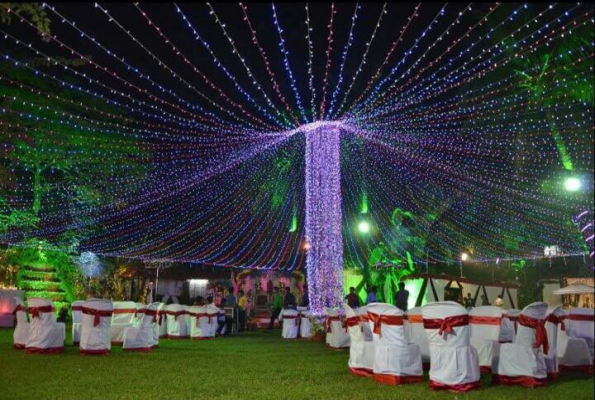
(324, 262)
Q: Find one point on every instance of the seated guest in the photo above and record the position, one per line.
(499, 301)
(352, 298)
(289, 299)
(484, 300)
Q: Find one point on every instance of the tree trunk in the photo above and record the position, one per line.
(37, 187)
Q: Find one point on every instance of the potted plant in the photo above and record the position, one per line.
(317, 330)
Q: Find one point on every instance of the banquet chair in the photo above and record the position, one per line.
(454, 364)
(364, 319)
(397, 360)
(290, 321)
(77, 319)
(555, 317)
(122, 317)
(522, 362)
(213, 313)
(374, 312)
(96, 327)
(508, 326)
(138, 315)
(485, 322)
(21, 331)
(45, 334)
(361, 352)
(417, 334)
(581, 322)
(573, 352)
(160, 327)
(337, 336)
(200, 327)
(305, 324)
(139, 338)
(177, 328)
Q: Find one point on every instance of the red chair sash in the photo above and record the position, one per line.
(77, 308)
(480, 320)
(557, 320)
(387, 320)
(176, 314)
(375, 319)
(18, 308)
(97, 314)
(415, 319)
(125, 311)
(446, 324)
(35, 311)
(581, 317)
(328, 321)
(296, 318)
(152, 313)
(351, 321)
(540, 333)
(199, 316)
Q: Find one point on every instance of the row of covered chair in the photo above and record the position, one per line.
(517, 347)
(97, 324)
(296, 323)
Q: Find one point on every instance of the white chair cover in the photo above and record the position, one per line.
(159, 326)
(96, 327)
(77, 319)
(485, 323)
(417, 334)
(200, 326)
(555, 316)
(573, 352)
(305, 324)
(454, 364)
(177, 327)
(138, 316)
(374, 312)
(361, 352)
(522, 362)
(21, 332)
(139, 338)
(508, 326)
(45, 334)
(362, 314)
(213, 313)
(123, 316)
(290, 319)
(581, 324)
(396, 361)
(337, 336)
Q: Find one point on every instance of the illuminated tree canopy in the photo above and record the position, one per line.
(180, 132)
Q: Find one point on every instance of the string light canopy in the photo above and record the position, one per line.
(237, 135)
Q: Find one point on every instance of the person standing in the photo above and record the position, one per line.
(371, 297)
(352, 298)
(468, 301)
(277, 306)
(242, 309)
(305, 302)
(230, 302)
(402, 297)
(289, 299)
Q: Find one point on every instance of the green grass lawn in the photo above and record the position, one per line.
(251, 366)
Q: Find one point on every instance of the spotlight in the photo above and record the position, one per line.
(364, 227)
(572, 184)
(464, 257)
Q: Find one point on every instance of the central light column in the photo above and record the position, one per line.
(324, 261)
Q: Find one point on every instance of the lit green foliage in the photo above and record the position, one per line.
(32, 11)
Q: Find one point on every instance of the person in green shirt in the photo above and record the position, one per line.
(277, 306)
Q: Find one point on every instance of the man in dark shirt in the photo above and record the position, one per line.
(289, 299)
(352, 298)
(305, 300)
(468, 301)
(401, 297)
